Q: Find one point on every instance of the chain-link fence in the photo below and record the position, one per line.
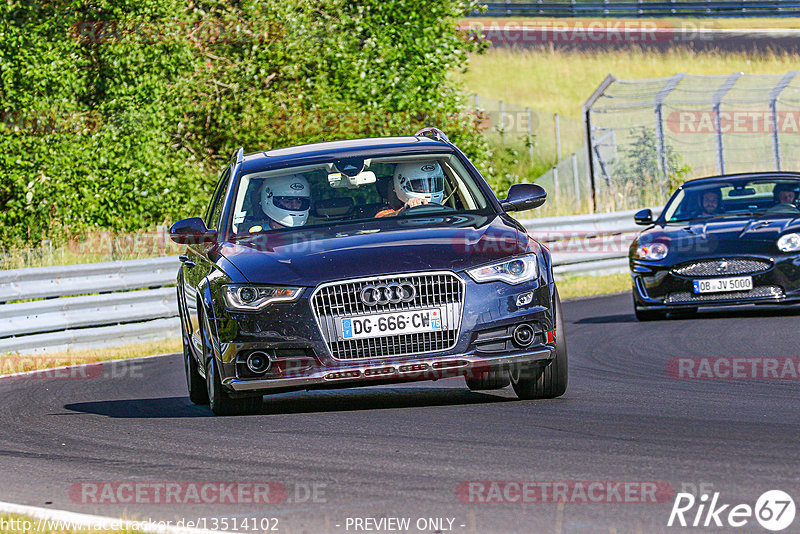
(545, 145)
(647, 136)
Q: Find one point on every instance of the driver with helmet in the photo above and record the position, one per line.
(286, 201)
(414, 184)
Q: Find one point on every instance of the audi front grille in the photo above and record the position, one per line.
(333, 301)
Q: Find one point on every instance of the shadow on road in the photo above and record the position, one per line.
(294, 403)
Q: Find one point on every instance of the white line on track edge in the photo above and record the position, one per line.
(96, 522)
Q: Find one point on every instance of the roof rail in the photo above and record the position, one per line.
(433, 133)
(239, 156)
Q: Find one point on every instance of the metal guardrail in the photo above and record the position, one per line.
(121, 302)
(132, 301)
(680, 8)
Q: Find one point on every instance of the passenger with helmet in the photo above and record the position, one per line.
(286, 201)
(413, 184)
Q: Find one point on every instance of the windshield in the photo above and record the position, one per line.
(771, 197)
(341, 192)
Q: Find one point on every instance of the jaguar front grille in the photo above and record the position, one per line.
(722, 267)
(443, 291)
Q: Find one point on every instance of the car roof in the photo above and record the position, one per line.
(311, 153)
(742, 177)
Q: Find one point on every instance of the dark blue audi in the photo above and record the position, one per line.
(364, 262)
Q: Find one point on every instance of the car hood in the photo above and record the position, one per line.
(724, 234)
(308, 257)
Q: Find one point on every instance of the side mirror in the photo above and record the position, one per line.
(643, 217)
(523, 197)
(192, 231)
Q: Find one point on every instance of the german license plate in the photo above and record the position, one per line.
(720, 285)
(393, 323)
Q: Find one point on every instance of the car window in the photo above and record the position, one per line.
(756, 197)
(345, 191)
(212, 218)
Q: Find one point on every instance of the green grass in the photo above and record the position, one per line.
(587, 286)
(557, 81)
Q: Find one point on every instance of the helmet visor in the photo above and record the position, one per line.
(431, 184)
(292, 203)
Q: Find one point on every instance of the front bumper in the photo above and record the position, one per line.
(489, 313)
(656, 285)
(365, 373)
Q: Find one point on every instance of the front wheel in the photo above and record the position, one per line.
(550, 381)
(219, 401)
(494, 379)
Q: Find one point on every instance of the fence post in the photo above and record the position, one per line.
(502, 122)
(477, 104)
(661, 142)
(558, 137)
(716, 102)
(555, 182)
(773, 108)
(575, 179)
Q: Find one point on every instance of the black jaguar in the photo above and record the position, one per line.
(719, 241)
(364, 262)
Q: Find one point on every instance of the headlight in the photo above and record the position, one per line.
(514, 271)
(652, 251)
(249, 298)
(789, 243)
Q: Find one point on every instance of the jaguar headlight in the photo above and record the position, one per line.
(513, 271)
(652, 251)
(250, 298)
(789, 243)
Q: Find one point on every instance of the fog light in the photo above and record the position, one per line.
(524, 335)
(523, 299)
(258, 362)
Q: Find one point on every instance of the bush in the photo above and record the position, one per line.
(120, 113)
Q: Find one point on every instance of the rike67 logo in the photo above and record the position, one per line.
(774, 510)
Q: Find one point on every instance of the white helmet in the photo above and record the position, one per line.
(423, 179)
(286, 199)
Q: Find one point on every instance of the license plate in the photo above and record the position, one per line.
(720, 285)
(389, 324)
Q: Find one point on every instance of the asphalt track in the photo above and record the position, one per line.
(403, 451)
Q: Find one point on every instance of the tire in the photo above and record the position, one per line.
(494, 379)
(648, 315)
(195, 383)
(550, 381)
(219, 401)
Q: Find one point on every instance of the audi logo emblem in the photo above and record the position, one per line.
(388, 294)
